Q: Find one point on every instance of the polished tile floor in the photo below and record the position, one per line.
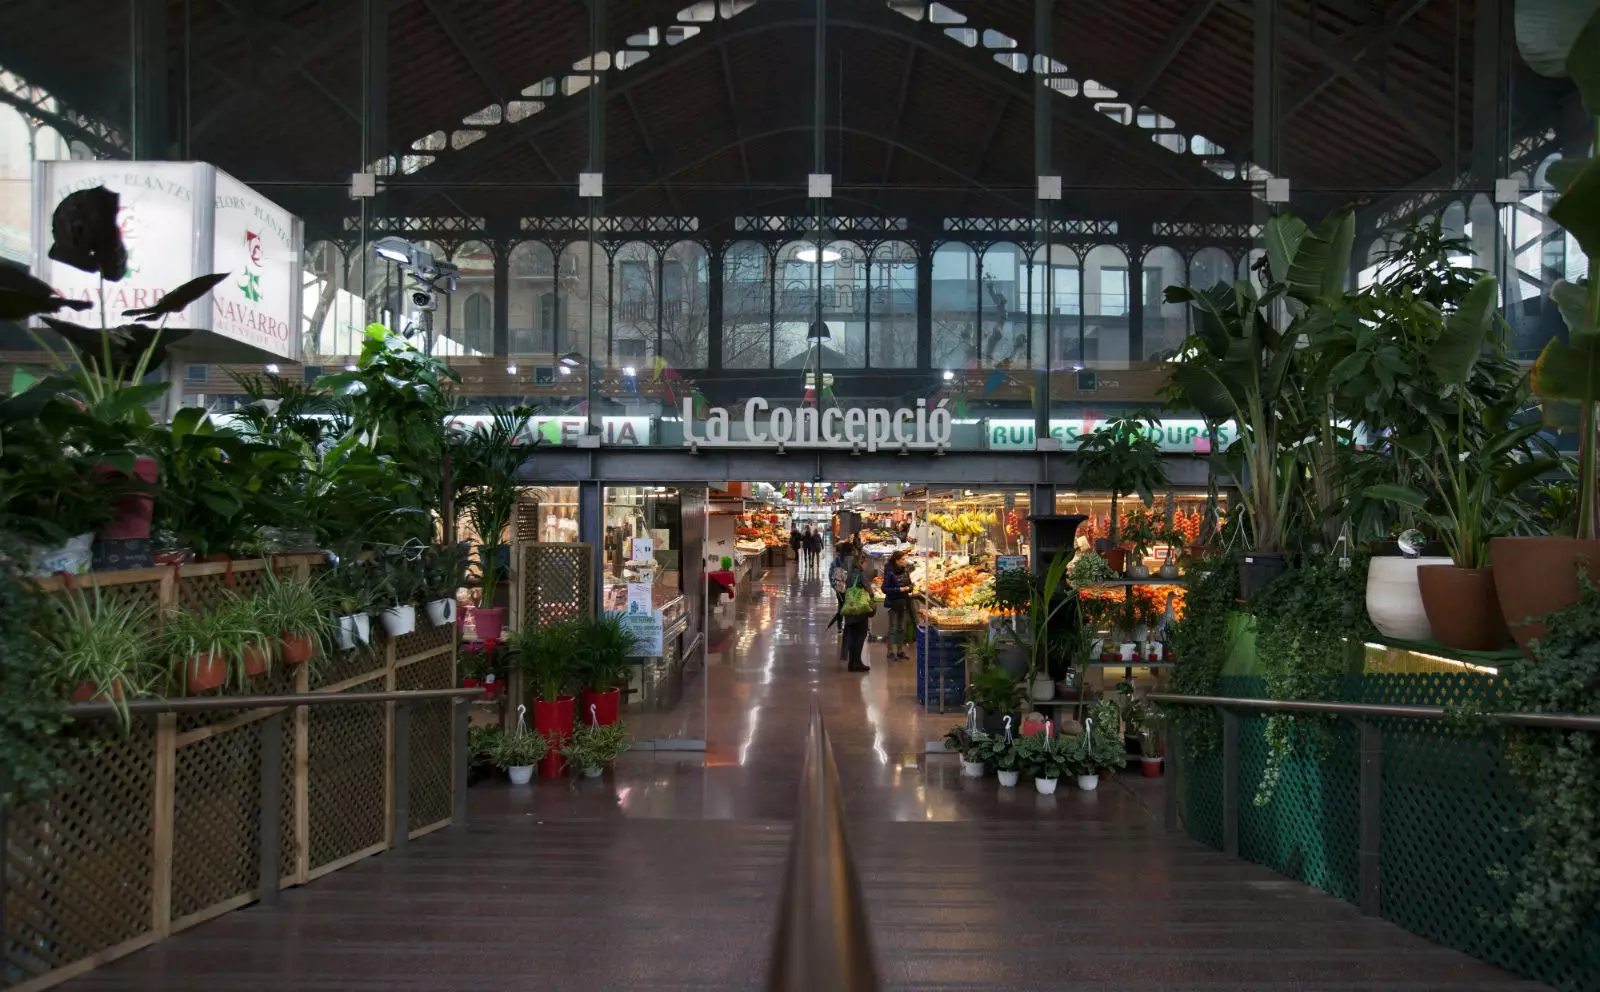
(666, 873)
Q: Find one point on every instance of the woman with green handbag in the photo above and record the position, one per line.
(857, 608)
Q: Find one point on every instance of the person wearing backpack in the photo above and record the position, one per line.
(857, 608)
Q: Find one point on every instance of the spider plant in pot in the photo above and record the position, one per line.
(518, 752)
(481, 743)
(605, 649)
(354, 587)
(592, 747)
(209, 648)
(546, 656)
(965, 743)
(297, 612)
(1046, 757)
(444, 571)
(99, 649)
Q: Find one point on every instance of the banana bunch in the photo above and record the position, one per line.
(971, 523)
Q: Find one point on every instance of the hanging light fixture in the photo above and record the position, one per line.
(809, 254)
(818, 332)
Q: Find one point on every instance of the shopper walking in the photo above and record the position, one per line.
(897, 591)
(797, 544)
(839, 573)
(813, 549)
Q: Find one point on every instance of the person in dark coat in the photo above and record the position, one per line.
(897, 600)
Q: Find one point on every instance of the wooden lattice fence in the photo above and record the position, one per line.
(158, 829)
(553, 583)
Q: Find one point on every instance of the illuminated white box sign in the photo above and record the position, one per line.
(806, 427)
(1173, 436)
(181, 220)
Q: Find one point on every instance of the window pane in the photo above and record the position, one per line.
(893, 287)
(746, 307)
(955, 306)
(531, 309)
(1005, 332)
(1165, 324)
(685, 298)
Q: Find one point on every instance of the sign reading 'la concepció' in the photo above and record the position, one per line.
(807, 427)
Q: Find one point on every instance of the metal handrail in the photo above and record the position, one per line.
(1552, 721)
(822, 939)
(207, 704)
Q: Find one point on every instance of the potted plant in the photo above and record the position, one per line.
(98, 648)
(605, 659)
(546, 656)
(592, 747)
(354, 587)
(297, 612)
(1536, 576)
(444, 571)
(1046, 757)
(998, 695)
(1000, 753)
(1100, 748)
(517, 753)
(1470, 480)
(1121, 456)
(482, 741)
(965, 743)
(1089, 569)
(208, 647)
(400, 585)
(1140, 533)
(246, 613)
(488, 458)
(1175, 539)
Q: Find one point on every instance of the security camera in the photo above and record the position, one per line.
(424, 299)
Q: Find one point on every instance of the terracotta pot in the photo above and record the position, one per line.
(1150, 767)
(297, 649)
(485, 622)
(255, 660)
(606, 705)
(1534, 576)
(86, 691)
(131, 513)
(554, 721)
(1462, 608)
(1394, 601)
(205, 671)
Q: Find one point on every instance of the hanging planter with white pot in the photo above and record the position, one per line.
(1046, 786)
(1088, 783)
(1008, 780)
(971, 769)
(521, 774)
(441, 612)
(354, 630)
(398, 621)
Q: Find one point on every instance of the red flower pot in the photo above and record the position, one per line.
(554, 721)
(485, 622)
(1150, 767)
(131, 513)
(605, 706)
(255, 660)
(471, 683)
(297, 649)
(205, 671)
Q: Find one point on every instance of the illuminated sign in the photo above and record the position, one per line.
(1173, 436)
(869, 428)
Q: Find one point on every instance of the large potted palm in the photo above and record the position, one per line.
(1536, 576)
(488, 457)
(1122, 457)
(546, 655)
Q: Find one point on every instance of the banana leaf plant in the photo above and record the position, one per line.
(1472, 477)
(1561, 39)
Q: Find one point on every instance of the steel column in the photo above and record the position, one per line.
(149, 79)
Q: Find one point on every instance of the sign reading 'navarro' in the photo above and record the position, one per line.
(807, 427)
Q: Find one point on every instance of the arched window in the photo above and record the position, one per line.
(1105, 306)
(475, 260)
(955, 307)
(1003, 307)
(685, 306)
(746, 306)
(1209, 267)
(1055, 300)
(635, 283)
(843, 290)
(531, 309)
(477, 314)
(1165, 324)
(582, 280)
(892, 292)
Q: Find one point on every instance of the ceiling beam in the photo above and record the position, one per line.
(909, 67)
(479, 66)
(982, 158)
(1297, 33)
(728, 91)
(64, 125)
(650, 149)
(866, 19)
(1176, 39)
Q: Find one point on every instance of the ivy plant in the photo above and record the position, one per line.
(1558, 882)
(1200, 643)
(31, 716)
(1310, 632)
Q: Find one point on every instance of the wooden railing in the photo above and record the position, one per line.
(177, 820)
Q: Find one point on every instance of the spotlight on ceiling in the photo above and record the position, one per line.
(948, 375)
(810, 255)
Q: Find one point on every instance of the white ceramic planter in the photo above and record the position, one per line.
(593, 772)
(398, 621)
(1009, 779)
(441, 612)
(971, 769)
(1044, 688)
(521, 774)
(1394, 603)
(1046, 786)
(354, 630)
(1088, 783)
